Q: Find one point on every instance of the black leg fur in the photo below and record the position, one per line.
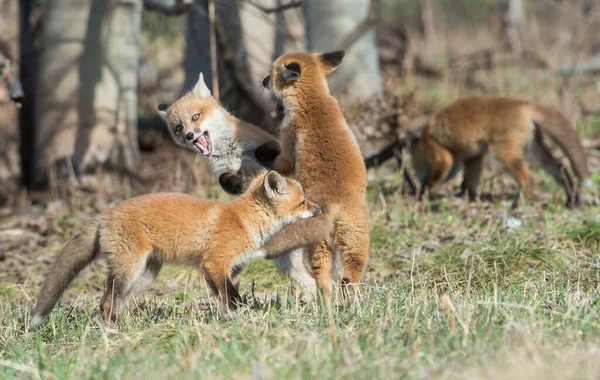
(233, 183)
(266, 154)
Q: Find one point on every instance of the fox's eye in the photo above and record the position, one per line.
(178, 128)
(196, 117)
(303, 202)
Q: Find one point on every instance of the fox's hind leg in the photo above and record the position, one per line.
(126, 270)
(153, 267)
(517, 167)
(351, 242)
(321, 259)
(555, 168)
(217, 275)
(472, 177)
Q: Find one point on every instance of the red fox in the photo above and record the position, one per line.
(320, 149)
(236, 151)
(512, 129)
(141, 234)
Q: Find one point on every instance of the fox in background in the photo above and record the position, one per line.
(513, 130)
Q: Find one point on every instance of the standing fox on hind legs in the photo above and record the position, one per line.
(511, 129)
(320, 149)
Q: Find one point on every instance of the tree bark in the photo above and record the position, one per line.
(27, 72)
(237, 87)
(9, 122)
(328, 23)
(86, 100)
(512, 25)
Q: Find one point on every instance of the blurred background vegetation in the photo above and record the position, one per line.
(93, 73)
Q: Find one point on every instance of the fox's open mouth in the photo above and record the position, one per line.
(204, 144)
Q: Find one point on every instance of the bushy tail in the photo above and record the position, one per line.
(75, 256)
(561, 131)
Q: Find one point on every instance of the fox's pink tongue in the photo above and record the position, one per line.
(202, 144)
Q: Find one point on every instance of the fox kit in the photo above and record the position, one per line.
(236, 151)
(141, 234)
(512, 129)
(320, 149)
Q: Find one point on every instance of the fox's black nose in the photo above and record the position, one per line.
(318, 210)
(266, 81)
(189, 136)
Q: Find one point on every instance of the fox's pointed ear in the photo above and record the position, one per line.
(200, 89)
(332, 60)
(162, 110)
(290, 72)
(274, 184)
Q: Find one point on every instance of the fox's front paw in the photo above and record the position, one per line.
(233, 183)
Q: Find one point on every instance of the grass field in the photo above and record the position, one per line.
(453, 290)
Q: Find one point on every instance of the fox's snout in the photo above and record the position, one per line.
(313, 208)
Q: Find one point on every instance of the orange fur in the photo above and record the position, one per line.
(320, 149)
(511, 129)
(141, 234)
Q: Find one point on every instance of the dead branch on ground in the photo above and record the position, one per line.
(589, 66)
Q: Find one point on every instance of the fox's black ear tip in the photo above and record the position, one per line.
(163, 107)
(333, 58)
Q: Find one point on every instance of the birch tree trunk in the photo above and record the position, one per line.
(86, 98)
(248, 39)
(512, 25)
(327, 24)
(9, 121)
(232, 61)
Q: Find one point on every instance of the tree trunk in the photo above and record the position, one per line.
(27, 73)
(238, 91)
(512, 25)
(327, 24)
(9, 123)
(428, 20)
(86, 100)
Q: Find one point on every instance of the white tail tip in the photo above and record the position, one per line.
(36, 321)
